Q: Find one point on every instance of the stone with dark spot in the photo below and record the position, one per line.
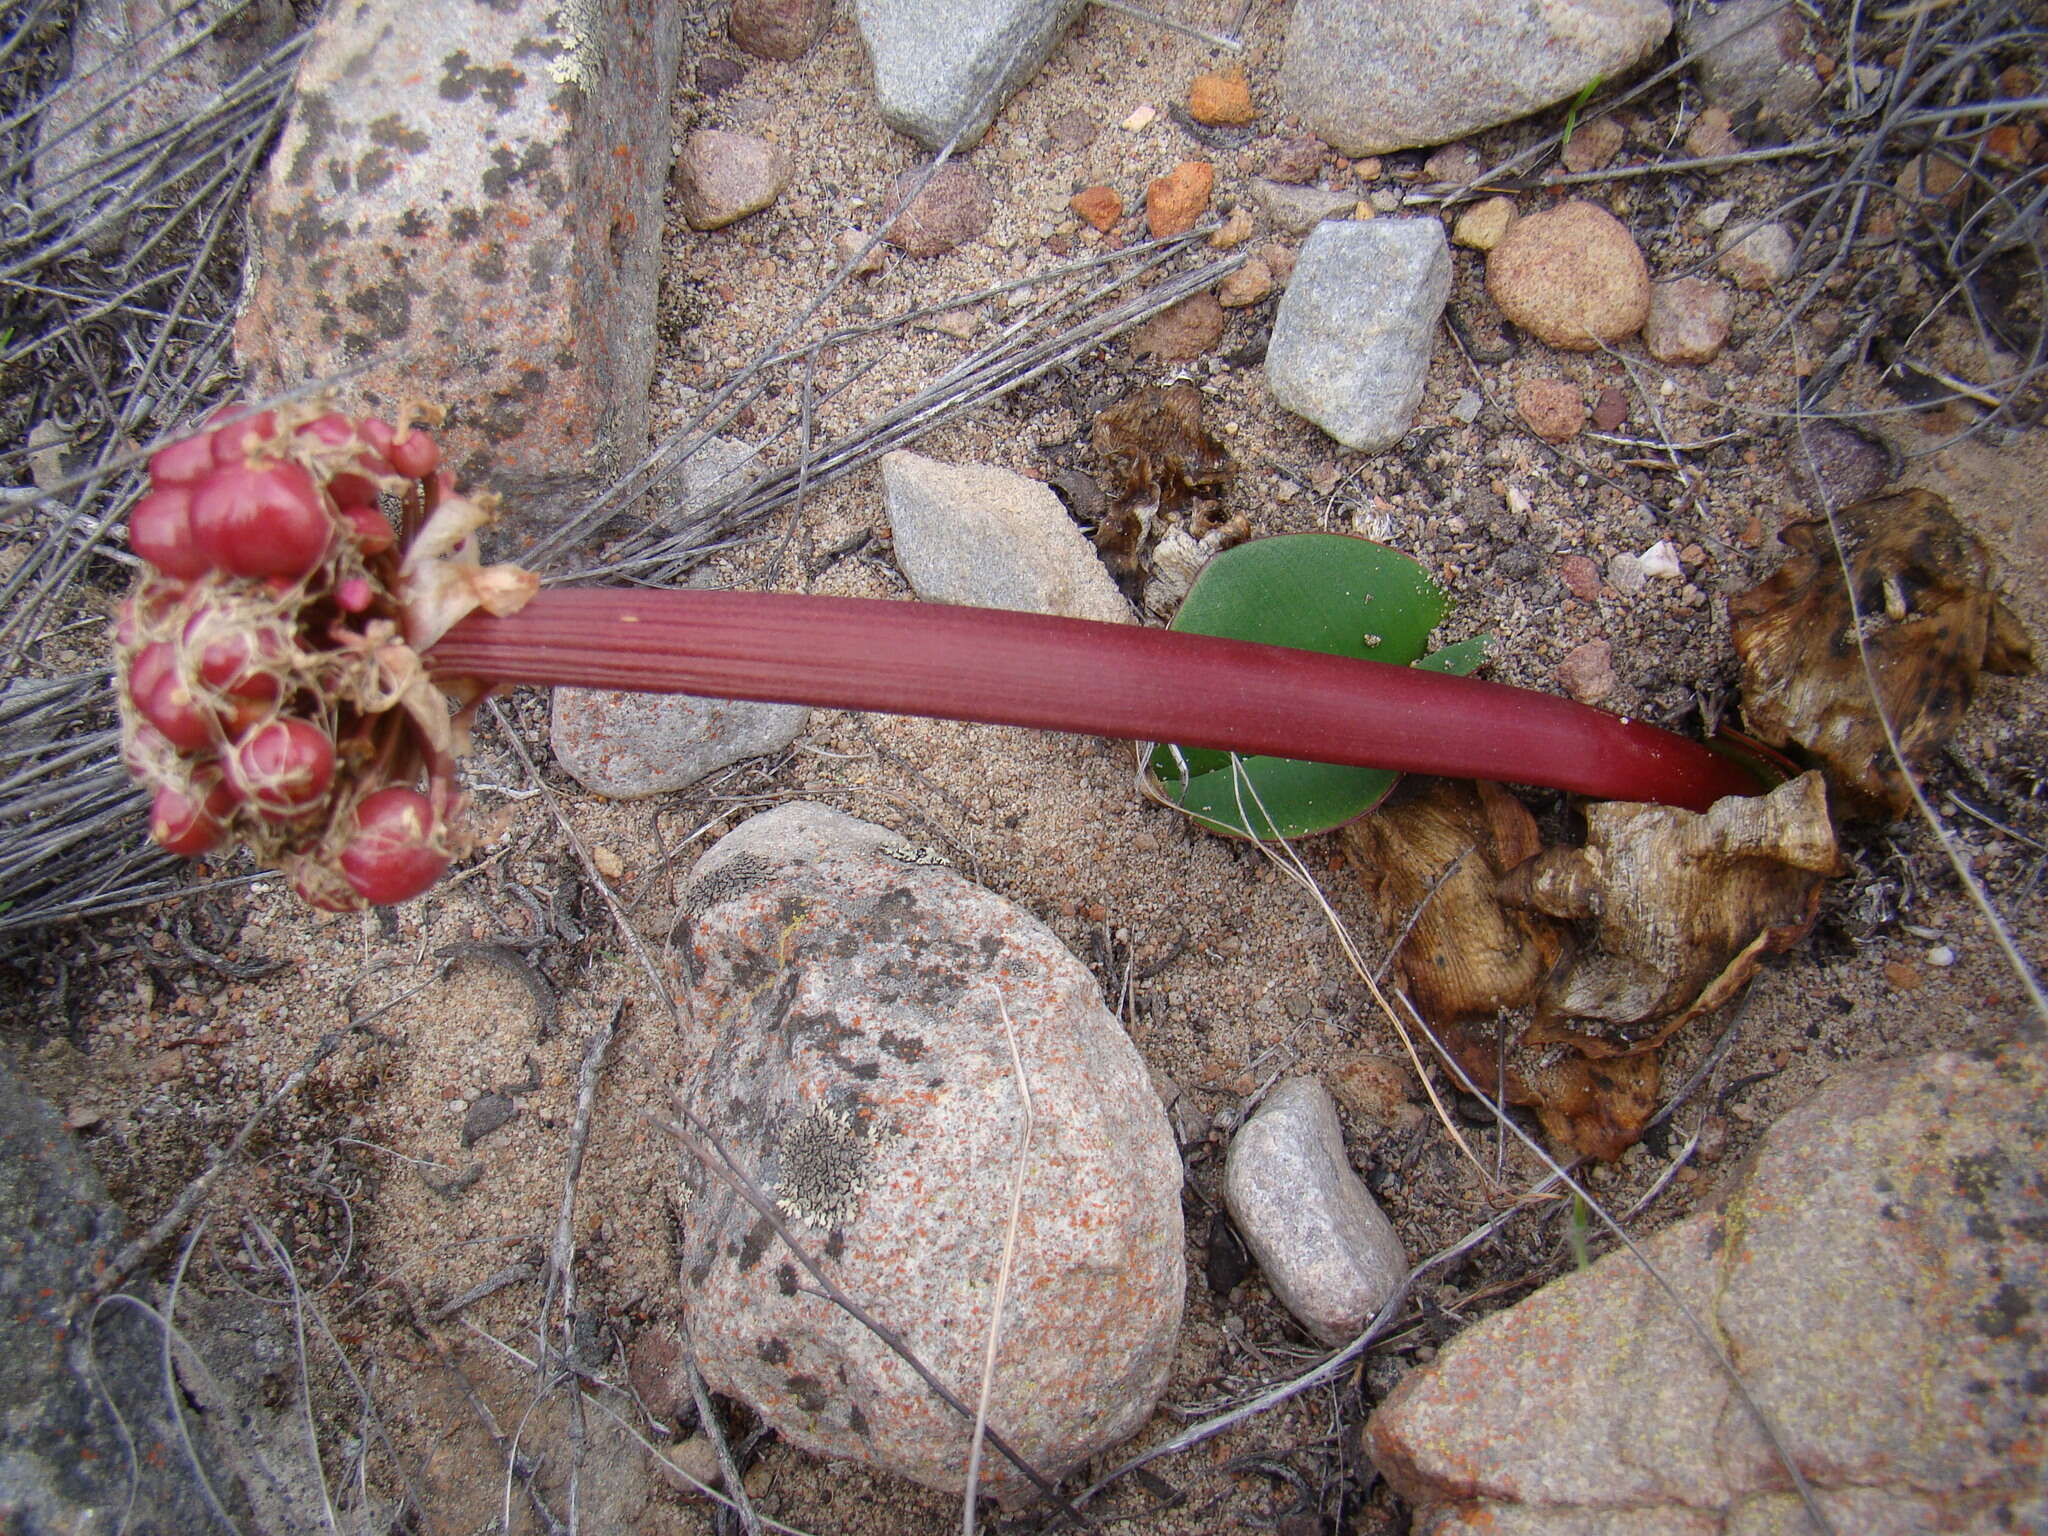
(491, 241)
(1900, 1355)
(902, 1052)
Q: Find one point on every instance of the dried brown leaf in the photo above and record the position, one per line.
(1439, 853)
(1589, 1107)
(1675, 909)
(1434, 853)
(1930, 624)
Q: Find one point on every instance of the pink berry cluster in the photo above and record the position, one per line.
(270, 680)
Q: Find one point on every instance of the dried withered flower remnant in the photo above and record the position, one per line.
(1930, 624)
(1158, 463)
(1430, 859)
(1676, 909)
(825, 1163)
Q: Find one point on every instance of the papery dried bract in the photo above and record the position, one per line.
(1930, 625)
(1676, 909)
(442, 580)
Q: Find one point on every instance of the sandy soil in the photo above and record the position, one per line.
(160, 1048)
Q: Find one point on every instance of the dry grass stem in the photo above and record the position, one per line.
(1028, 1120)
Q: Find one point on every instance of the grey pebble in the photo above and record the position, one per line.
(487, 1112)
(1354, 332)
(1328, 1251)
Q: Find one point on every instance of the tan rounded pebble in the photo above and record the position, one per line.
(1713, 134)
(1554, 410)
(1480, 227)
(1098, 206)
(1220, 99)
(1688, 321)
(697, 1464)
(1247, 285)
(851, 244)
(1758, 258)
(1571, 276)
(1178, 199)
(1593, 145)
(721, 177)
(1235, 231)
(1587, 671)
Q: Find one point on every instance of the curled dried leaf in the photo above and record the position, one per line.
(1431, 859)
(1675, 909)
(1930, 624)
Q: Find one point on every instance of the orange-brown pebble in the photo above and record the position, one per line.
(1178, 199)
(1221, 98)
(1099, 206)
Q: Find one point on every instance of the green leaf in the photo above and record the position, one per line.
(1324, 592)
(1571, 116)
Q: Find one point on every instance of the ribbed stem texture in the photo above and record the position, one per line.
(1056, 674)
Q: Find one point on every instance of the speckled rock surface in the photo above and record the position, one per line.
(991, 538)
(1354, 332)
(476, 218)
(1877, 1273)
(849, 1051)
(1571, 276)
(946, 64)
(1328, 1251)
(1400, 73)
(630, 745)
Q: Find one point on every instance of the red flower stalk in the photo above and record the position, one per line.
(1005, 668)
(284, 661)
